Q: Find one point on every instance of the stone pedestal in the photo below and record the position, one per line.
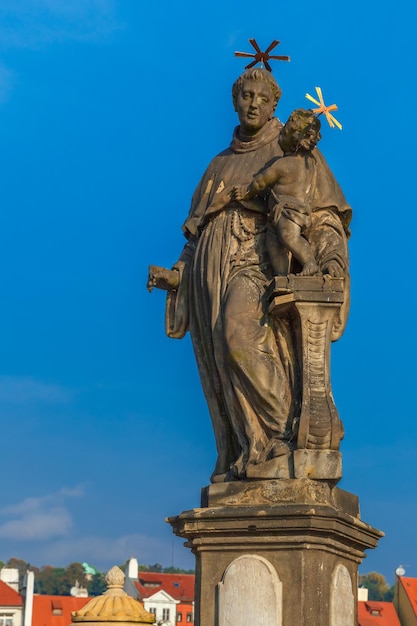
(276, 553)
(314, 303)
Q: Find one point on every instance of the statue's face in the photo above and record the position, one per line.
(255, 105)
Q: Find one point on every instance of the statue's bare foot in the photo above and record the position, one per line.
(310, 269)
(333, 269)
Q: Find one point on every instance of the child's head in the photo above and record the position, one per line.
(301, 133)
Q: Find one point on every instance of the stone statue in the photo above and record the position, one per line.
(260, 330)
(290, 180)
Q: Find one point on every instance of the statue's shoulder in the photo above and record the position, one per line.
(224, 153)
(216, 163)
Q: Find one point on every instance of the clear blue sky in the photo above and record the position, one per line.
(109, 112)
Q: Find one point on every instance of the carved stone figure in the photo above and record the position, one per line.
(260, 342)
(290, 180)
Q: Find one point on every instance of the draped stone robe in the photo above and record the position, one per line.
(248, 369)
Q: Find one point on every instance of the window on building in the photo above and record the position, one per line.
(374, 608)
(189, 617)
(165, 614)
(152, 609)
(56, 607)
(179, 617)
(6, 620)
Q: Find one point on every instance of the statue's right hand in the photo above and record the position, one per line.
(162, 278)
(240, 192)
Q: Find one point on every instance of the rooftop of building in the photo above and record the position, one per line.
(55, 610)
(178, 586)
(8, 596)
(372, 613)
(410, 588)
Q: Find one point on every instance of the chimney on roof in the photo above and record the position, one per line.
(132, 572)
(132, 568)
(363, 593)
(10, 576)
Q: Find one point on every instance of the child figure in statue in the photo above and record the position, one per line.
(291, 182)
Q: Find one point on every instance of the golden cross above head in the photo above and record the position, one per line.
(322, 108)
(261, 57)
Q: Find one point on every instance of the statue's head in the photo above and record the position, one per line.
(301, 131)
(255, 96)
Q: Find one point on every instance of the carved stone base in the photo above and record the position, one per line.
(315, 302)
(276, 552)
(318, 464)
(304, 463)
(280, 467)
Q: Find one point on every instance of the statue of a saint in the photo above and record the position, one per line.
(249, 364)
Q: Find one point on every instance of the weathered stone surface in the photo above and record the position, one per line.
(305, 529)
(280, 467)
(250, 591)
(262, 285)
(268, 208)
(318, 464)
(271, 492)
(115, 606)
(315, 302)
(293, 288)
(342, 598)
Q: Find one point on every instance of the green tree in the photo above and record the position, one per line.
(19, 564)
(49, 581)
(59, 580)
(143, 568)
(156, 567)
(97, 585)
(378, 587)
(74, 573)
(177, 570)
(22, 567)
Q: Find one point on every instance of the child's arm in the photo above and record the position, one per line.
(266, 179)
(261, 182)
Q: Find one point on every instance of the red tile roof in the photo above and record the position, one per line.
(179, 586)
(386, 614)
(410, 588)
(43, 607)
(8, 596)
